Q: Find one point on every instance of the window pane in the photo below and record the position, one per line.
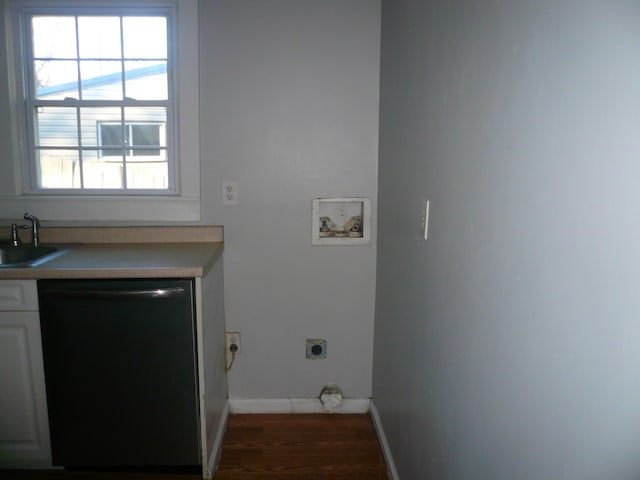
(155, 115)
(99, 37)
(157, 154)
(99, 173)
(56, 126)
(54, 37)
(92, 121)
(149, 175)
(148, 129)
(55, 79)
(146, 80)
(101, 80)
(108, 153)
(58, 168)
(145, 37)
(111, 135)
(145, 135)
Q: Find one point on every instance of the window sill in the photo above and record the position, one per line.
(140, 209)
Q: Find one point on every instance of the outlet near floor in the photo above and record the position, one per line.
(232, 340)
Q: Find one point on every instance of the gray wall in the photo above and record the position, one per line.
(507, 346)
(289, 110)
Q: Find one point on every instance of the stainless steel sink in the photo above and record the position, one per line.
(27, 255)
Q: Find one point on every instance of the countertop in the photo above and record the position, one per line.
(126, 255)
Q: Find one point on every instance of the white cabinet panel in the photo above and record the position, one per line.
(18, 295)
(24, 429)
(17, 395)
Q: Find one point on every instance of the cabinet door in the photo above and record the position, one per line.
(18, 295)
(24, 431)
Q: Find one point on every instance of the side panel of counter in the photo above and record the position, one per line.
(212, 377)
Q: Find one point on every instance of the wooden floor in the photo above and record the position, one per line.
(300, 447)
(272, 447)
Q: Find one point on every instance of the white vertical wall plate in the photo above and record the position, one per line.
(424, 225)
(230, 192)
(341, 221)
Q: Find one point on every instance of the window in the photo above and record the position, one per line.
(99, 100)
(142, 138)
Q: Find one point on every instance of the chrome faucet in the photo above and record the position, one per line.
(15, 239)
(35, 228)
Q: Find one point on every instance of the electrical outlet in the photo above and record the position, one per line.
(230, 192)
(232, 338)
(316, 348)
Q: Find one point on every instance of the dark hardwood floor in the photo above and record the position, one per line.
(300, 447)
(272, 447)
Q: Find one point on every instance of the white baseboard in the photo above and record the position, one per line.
(386, 451)
(214, 458)
(295, 405)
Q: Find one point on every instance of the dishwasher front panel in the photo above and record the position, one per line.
(121, 372)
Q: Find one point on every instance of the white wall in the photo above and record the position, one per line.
(289, 110)
(507, 345)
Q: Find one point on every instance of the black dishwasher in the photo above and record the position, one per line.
(121, 372)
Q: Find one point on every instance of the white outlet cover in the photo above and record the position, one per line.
(229, 192)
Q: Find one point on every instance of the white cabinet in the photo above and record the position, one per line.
(24, 429)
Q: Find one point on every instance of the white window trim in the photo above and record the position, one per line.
(14, 195)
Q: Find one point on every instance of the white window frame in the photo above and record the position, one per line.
(182, 204)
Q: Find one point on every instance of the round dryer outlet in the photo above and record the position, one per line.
(316, 348)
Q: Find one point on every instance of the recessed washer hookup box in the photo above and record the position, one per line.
(341, 221)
